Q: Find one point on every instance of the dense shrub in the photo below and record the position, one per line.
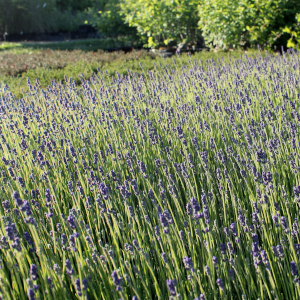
(223, 23)
(106, 16)
(163, 21)
(294, 33)
(238, 23)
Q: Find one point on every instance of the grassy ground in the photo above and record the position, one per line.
(84, 44)
(47, 61)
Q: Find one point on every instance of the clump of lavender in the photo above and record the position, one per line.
(186, 171)
(117, 281)
(171, 284)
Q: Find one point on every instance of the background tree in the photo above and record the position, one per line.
(163, 21)
(38, 16)
(235, 23)
(73, 5)
(105, 15)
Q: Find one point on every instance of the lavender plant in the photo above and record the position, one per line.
(181, 182)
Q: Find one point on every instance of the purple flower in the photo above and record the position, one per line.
(116, 280)
(151, 194)
(220, 283)
(6, 205)
(189, 209)
(33, 272)
(163, 220)
(188, 263)
(49, 281)
(69, 269)
(28, 238)
(21, 181)
(280, 251)
(255, 250)
(84, 284)
(72, 242)
(215, 262)
(207, 270)
(130, 210)
(275, 220)
(171, 284)
(261, 156)
(164, 257)
(72, 222)
(230, 248)
(78, 288)
(233, 229)
(206, 215)
(57, 269)
(294, 270)
(136, 245)
(31, 294)
(231, 274)
(17, 198)
(195, 205)
(223, 248)
(226, 231)
(284, 224)
(265, 259)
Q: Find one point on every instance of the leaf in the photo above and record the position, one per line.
(290, 44)
(287, 30)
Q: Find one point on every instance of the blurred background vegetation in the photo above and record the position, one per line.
(224, 24)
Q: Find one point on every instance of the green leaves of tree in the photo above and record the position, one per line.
(224, 23)
(236, 23)
(162, 21)
(293, 32)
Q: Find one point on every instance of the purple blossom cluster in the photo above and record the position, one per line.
(181, 182)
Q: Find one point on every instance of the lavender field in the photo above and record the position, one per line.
(177, 183)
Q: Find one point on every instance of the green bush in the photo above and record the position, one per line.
(106, 16)
(236, 23)
(163, 21)
(294, 33)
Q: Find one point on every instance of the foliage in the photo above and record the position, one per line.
(294, 33)
(106, 16)
(18, 16)
(19, 61)
(163, 21)
(235, 23)
(73, 5)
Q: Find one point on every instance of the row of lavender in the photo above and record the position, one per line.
(180, 183)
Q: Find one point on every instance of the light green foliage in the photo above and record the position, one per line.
(238, 23)
(163, 21)
(294, 33)
(223, 22)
